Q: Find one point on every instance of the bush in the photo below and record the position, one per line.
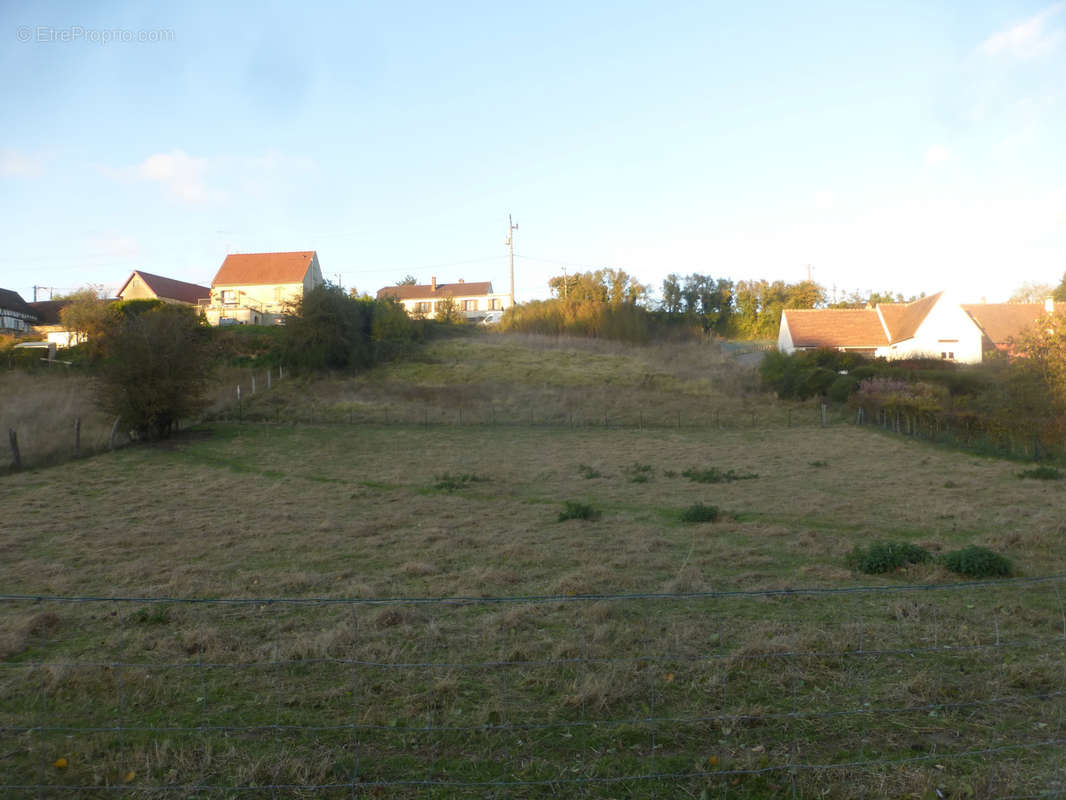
(574, 510)
(715, 475)
(155, 369)
(452, 483)
(842, 388)
(638, 473)
(587, 472)
(699, 513)
(977, 562)
(1041, 474)
(881, 557)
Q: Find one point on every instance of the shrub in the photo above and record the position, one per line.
(588, 473)
(637, 472)
(453, 483)
(977, 562)
(575, 510)
(842, 388)
(1041, 474)
(715, 475)
(699, 513)
(881, 557)
(155, 370)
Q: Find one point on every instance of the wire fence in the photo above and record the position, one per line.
(869, 691)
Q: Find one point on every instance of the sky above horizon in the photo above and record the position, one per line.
(911, 147)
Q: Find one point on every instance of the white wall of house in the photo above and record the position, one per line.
(946, 332)
(473, 306)
(784, 337)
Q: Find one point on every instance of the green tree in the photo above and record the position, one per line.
(1032, 292)
(86, 315)
(1059, 294)
(407, 280)
(328, 329)
(671, 302)
(155, 369)
(447, 310)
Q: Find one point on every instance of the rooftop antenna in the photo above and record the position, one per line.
(512, 226)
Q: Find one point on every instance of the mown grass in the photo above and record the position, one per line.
(721, 692)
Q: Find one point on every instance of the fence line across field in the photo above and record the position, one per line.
(654, 692)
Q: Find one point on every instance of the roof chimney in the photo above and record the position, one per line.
(1049, 305)
(433, 283)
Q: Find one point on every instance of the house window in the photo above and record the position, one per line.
(948, 356)
(470, 305)
(494, 304)
(423, 308)
(229, 297)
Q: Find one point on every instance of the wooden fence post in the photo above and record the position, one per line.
(270, 371)
(253, 383)
(77, 437)
(114, 432)
(824, 409)
(15, 455)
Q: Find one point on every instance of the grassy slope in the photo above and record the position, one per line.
(352, 511)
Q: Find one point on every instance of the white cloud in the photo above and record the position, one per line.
(1028, 38)
(19, 164)
(937, 154)
(181, 174)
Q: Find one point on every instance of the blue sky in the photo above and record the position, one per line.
(906, 146)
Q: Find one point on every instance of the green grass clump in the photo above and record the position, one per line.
(818, 463)
(977, 562)
(637, 472)
(715, 475)
(575, 510)
(881, 557)
(1042, 474)
(699, 512)
(447, 482)
(588, 473)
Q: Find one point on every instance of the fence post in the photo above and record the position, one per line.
(253, 383)
(240, 407)
(14, 439)
(270, 370)
(280, 372)
(77, 437)
(823, 414)
(114, 432)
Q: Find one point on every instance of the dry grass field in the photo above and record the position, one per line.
(635, 655)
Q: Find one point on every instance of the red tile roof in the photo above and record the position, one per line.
(1002, 322)
(906, 324)
(256, 269)
(427, 292)
(169, 288)
(835, 327)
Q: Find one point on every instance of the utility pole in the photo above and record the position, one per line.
(566, 285)
(808, 273)
(511, 228)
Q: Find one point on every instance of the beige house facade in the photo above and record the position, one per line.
(475, 300)
(257, 288)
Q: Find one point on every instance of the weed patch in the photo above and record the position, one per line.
(588, 473)
(715, 475)
(574, 510)
(818, 463)
(446, 482)
(881, 557)
(1042, 474)
(699, 512)
(977, 562)
(637, 472)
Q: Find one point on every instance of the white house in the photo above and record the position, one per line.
(475, 300)
(16, 316)
(932, 327)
